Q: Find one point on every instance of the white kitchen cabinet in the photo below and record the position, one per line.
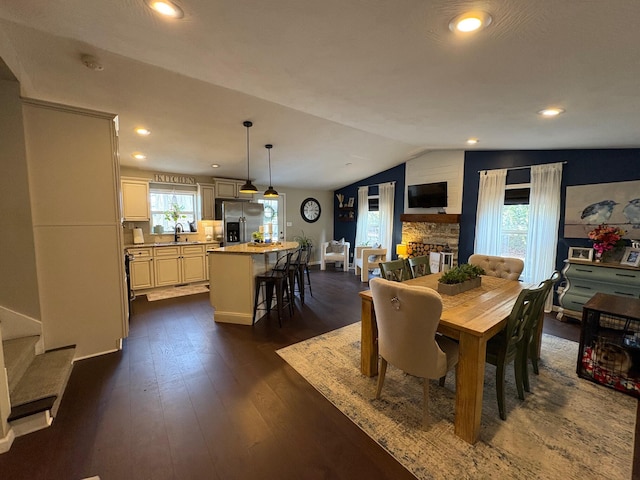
(135, 200)
(208, 201)
(141, 268)
(230, 188)
(179, 264)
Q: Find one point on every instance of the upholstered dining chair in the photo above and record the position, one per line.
(510, 344)
(419, 266)
(503, 267)
(396, 270)
(534, 330)
(408, 317)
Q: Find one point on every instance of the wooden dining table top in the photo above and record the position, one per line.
(481, 311)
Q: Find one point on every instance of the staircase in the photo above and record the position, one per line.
(36, 382)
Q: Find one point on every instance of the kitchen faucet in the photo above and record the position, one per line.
(179, 229)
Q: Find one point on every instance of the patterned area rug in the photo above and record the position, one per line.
(566, 428)
(176, 292)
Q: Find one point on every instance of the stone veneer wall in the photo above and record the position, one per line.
(435, 234)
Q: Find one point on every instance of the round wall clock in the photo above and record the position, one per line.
(310, 210)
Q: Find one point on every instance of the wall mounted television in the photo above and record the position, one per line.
(428, 195)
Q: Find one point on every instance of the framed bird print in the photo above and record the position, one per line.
(616, 204)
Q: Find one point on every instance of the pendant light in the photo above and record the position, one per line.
(270, 192)
(248, 187)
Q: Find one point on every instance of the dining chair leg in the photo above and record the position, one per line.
(382, 371)
(520, 372)
(500, 390)
(524, 367)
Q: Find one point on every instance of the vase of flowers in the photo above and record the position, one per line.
(606, 238)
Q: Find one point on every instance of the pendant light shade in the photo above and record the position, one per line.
(248, 187)
(270, 192)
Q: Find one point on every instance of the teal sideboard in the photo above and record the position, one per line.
(585, 279)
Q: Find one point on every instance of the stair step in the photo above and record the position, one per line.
(18, 355)
(46, 378)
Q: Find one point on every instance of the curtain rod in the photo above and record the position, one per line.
(520, 168)
(377, 184)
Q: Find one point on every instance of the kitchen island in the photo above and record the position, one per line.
(232, 272)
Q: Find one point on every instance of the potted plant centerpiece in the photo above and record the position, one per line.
(460, 279)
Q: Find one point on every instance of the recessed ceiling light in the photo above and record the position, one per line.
(215, 165)
(472, 141)
(143, 131)
(166, 8)
(470, 22)
(138, 156)
(551, 112)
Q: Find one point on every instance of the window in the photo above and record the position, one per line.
(163, 197)
(515, 221)
(373, 221)
(272, 221)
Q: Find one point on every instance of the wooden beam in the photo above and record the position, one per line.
(431, 218)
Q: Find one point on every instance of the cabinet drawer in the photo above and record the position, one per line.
(595, 273)
(193, 249)
(140, 252)
(167, 251)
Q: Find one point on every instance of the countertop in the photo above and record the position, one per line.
(247, 249)
(168, 244)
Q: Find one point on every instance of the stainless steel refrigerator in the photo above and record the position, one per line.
(241, 219)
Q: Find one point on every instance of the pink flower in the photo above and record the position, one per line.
(605, 237)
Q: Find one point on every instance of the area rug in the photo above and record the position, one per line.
(176, 292)
(567, 427)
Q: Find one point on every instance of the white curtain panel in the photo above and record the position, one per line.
(489, 212)
(386, 193)
(544, 220)
(363, 213)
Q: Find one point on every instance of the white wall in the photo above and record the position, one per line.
(441, 166)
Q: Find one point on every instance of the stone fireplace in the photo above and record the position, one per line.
(431, 233)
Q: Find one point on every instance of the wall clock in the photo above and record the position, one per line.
(310, 210)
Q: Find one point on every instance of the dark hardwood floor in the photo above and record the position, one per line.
(189, 398)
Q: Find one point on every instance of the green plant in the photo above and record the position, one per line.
(303, 240)
(461, 273)
(174, 213)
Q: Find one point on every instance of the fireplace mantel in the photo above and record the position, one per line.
(431, 218)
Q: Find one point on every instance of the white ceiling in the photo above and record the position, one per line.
(342, 88)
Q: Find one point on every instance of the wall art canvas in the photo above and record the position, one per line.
(616, 204)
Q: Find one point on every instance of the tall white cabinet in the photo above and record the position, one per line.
(72, 158)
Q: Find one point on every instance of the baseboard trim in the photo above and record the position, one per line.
(7, 441)
(33, 423)
(99, 354)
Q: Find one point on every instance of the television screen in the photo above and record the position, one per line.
(428, 195)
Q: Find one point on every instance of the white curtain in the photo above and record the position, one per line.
(489, 212)
(363, 214)
(386, 193)
(544, 218)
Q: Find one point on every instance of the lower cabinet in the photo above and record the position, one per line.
(179, 264)
(141, 268)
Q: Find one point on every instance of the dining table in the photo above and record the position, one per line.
(471, 318)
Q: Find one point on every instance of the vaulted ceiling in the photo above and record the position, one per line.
(342, 89)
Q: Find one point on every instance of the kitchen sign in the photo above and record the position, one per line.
(170, 178)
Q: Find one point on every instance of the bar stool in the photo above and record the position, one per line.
(303, 267)
(277, 278)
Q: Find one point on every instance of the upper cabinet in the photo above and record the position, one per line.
(229, 188)
(135, 200)
(208, 200)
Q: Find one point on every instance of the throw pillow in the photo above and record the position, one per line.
(336, 246)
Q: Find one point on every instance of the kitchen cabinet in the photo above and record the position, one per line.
(141, 268)
(179, 264)
(207, 201)
(135, 200)
(229, 188)
(585, 279)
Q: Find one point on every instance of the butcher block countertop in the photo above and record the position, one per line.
(252, 249)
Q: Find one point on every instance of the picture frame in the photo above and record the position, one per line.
(351, 202)
(631, 257)
(581, 253)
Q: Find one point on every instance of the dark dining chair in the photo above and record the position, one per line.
(419, 266)
(534, 330)
(275, 280)
(395, 270)
(510, 344)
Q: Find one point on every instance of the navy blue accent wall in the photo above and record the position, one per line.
(583, 167)
(348, 229)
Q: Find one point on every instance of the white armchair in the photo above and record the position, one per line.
(366, 259)
(331, 252)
